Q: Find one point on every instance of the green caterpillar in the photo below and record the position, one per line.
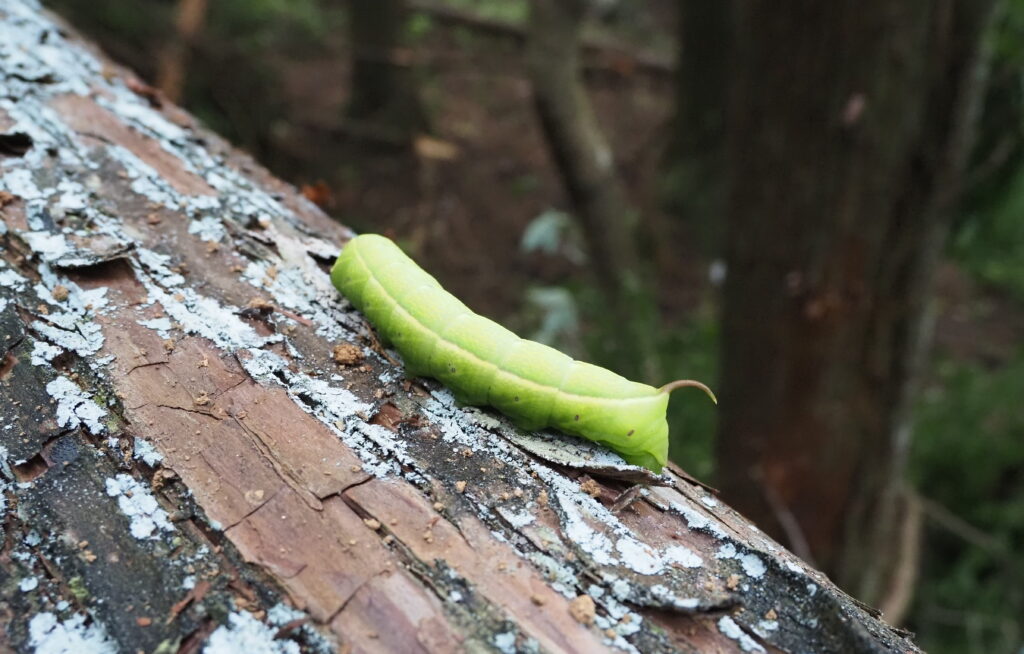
(484, 363)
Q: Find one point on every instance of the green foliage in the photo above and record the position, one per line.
(513, 11)
(969, 441)
(418, 27)
(989, 234)
(258, 24)
(990, 242)
(969, 458)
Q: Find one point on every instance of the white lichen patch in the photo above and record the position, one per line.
(516, 519)
(281, 614)
(244, 633)
(683, 556)
(162, 326)
(70, 325)
(208, 228)
(71, 332)
(665, 595)
(74, 407)
(48, 635)
(136, 502)
(581, 534)
(728, 627)
(204, 316)
(697, 520)
(303, 288)
(43, 353)
(146, 453)
(49, 246)
(11, 279)
(765, 627)
(505, 642)
(159, 268)
(563, 579)
(638, 556)
(581, 510)
(146, 181)
(752, 564)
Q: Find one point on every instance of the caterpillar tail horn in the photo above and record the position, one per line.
(680, 383)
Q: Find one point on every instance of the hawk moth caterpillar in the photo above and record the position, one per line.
(485, 364)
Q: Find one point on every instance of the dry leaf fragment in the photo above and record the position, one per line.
(428, 147)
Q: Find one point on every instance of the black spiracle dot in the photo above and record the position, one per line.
(451, 368)
(630, 433)
(516, 398)
(577, 417)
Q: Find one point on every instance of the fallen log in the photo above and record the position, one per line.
(202, 446)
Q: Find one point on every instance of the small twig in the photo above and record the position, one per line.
(627, 497)
(959, 527)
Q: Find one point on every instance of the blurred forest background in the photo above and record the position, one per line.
(818, 208)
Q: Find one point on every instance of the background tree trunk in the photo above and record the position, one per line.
(587, 166)
(384, 99)
(201, 444)
(172, 65)
(696, 154)
(581, 152)
(848, 133)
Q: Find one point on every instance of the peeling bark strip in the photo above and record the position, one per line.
(185, 466)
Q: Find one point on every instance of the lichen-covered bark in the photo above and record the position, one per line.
(186, 467)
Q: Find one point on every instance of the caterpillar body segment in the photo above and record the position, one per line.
(485, 364)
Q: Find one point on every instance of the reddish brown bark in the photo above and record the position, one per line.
(848, 133)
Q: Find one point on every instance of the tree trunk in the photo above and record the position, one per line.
(587, 166)
(848, 134)
(696, 154)
(204, 449)
(172, 65)
(582, 154)
(384, 101)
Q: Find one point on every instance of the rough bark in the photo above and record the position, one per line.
(848, 135)
(384, 99)
(188, 463)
